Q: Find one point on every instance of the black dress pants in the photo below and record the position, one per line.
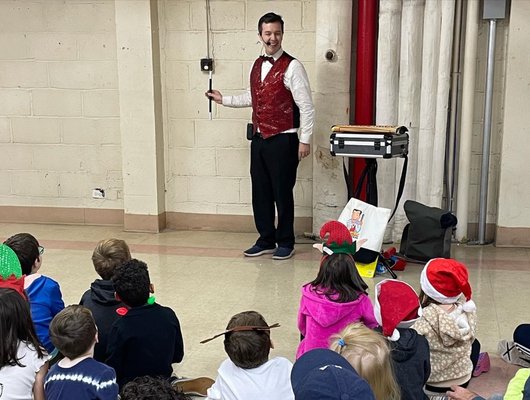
(273, 164)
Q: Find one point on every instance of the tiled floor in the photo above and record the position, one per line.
(204, 277)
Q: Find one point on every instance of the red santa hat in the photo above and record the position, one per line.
(396, 306)
(445, 280)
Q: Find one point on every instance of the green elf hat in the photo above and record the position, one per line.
(339, 239)
(9, 263)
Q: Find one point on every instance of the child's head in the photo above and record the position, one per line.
(15, 325)
(109, 254)
(445, 281)
(321, 374)
(132, 283)
(339, 279)
(248, 349)
(28, 251)
(148, 387)
(73, 331)
(396, 306)
(369, 354)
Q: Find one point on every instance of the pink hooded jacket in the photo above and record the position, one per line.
(319, 318)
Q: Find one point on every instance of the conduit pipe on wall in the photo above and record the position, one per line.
(484, 174)
(452, 160)
(466, 127)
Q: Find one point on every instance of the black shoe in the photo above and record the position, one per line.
(283, 253)
(256, 251)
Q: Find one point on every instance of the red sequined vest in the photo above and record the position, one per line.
(273, 108)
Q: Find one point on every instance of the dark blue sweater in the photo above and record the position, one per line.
(87, 380)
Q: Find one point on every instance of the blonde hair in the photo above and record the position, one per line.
(109, 254)
(368, 353)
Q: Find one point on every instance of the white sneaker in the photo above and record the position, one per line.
(514, 353)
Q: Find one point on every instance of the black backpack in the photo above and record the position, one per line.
(428, 235)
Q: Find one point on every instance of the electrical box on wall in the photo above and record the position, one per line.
(98, 193)
(206, 64)
(494, 9)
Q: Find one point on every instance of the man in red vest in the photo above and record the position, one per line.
(281, 102)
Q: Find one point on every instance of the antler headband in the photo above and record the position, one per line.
(242, 329)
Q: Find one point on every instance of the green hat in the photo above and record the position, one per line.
(9, 263)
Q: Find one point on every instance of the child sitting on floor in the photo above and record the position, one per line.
(100, 299)
(369, 354)
(23, 362)
(147, 339)
(44, 293)
(248, 373)
(322, 374)
(337, 297)
(448, 323)
(78, 376)
(396, 309)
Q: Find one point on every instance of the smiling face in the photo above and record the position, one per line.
(271, 35)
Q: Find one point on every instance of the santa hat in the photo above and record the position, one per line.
(396, 306)
(444, 280)
(339, 239)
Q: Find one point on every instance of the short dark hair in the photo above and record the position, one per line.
(109, 254)
(268, 19)
(248, 349)
(148, 387)
(132, 283)
(26, 247)
(338, 279)
(73, 331)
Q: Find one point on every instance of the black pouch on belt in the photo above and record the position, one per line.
(250, 130)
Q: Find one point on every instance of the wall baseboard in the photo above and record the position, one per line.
(512, 237)
(61, 215)
(135, 222)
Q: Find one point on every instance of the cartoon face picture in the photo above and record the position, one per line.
(355, 224)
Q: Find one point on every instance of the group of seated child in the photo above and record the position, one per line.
(118, 340)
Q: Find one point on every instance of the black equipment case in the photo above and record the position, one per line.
(364, 141)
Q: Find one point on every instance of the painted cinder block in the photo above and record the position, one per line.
(56, 102)
(36, 130)
(91, 131)
(101, 103)
(14, 102)
(23, 74)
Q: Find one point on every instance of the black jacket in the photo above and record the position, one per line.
(412, 364)
(101, 301)
(145, 341)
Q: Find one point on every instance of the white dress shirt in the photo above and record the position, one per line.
(296, 81)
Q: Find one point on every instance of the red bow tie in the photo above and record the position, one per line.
(269, 59)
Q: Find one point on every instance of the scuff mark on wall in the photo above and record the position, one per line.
(325, 159)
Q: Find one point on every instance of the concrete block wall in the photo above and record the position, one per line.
(59, 107)
(207, 168)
